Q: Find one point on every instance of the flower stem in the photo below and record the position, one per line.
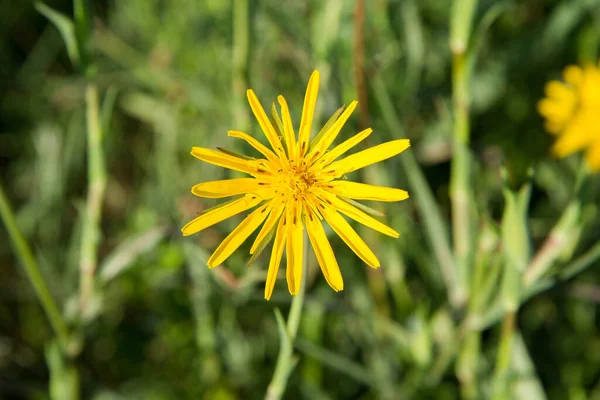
(460, 187)
(23, 252)
(501, 389)
(95, 197)
(286, 360)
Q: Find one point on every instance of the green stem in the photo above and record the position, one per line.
(26, 257)
(286, 360)
(95, 197)
(467, 365)
(461, 196)
(501, 388)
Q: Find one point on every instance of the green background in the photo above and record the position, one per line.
(172, 75)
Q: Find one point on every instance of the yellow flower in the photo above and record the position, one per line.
(293, 186)
(572, 111)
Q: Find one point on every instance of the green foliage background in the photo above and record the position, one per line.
(172, 75)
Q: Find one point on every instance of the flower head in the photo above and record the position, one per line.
(295, 185)
(571, 109)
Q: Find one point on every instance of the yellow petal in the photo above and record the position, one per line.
(264, 122)
(367, 157)
(226, 160)
(226, 187)
(573, 75)
(308, 112)
(358, 215)
(256, 144)
(579, 134)
(349, 235)
(220, 213)
(276, 255)
(272, 219)
(362, 191)
(238, 236)
(340, 149)
(288, 128)
(294, 249)
(592, 156)
(324, 253)
(332, 133)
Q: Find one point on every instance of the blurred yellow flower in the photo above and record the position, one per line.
(293, 186)
(572, 112)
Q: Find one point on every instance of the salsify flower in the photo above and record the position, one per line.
(295, 185)
(571, 109)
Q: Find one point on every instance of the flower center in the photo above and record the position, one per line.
(297, 181)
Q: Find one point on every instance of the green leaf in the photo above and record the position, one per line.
(66, 28)
(363, 207)
(108, 106)
(515, 243)
(278, 124)
(234, 154)
(261, 246)
(326, 127)
(124, 256)
(490, 16)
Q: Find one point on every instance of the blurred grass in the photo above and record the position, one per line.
(163, 326)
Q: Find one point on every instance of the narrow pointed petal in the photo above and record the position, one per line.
(288, 128)
(272, 219)
(226, 188)
(342, 148)
(276, 255)
(367, 157)
(358, 215)
(308, 112)
(363, 191)
(592, 156)
(349, 236)
(321, 147)
(324, 253)
(264, 122)
(220, 213)
(238, 236)
(226, 160)
(294, 247)
(256, 144)
(325, 128)
(579, 134)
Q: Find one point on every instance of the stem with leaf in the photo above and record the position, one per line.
(286, 361)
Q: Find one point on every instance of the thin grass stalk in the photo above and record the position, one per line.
(286, 360)
(241, 43)
(95, 198)
(25, 255)
(358, 58)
